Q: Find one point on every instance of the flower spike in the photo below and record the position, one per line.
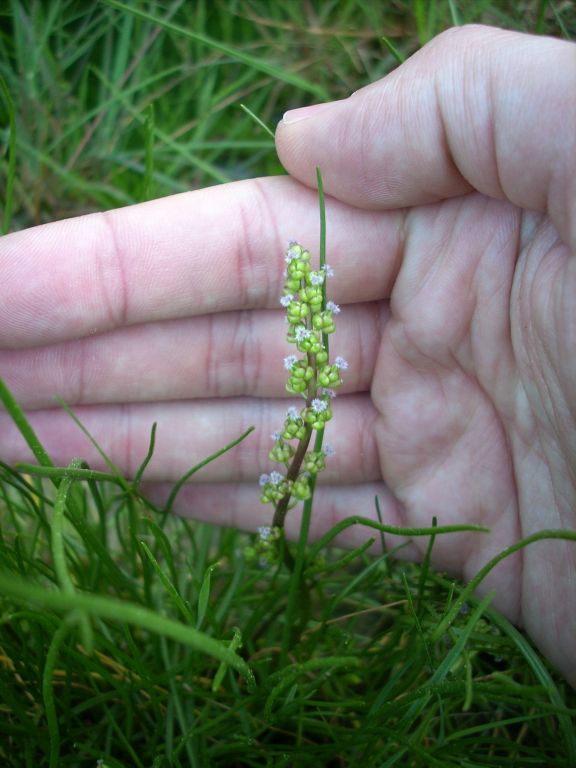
(310, 319)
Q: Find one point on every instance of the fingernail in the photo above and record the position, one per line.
(295, 115)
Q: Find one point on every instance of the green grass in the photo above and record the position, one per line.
(135, 638)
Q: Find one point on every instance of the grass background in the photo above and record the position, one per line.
(129, 637)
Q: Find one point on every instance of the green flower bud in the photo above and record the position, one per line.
(291, 285)
(282, 453)
(312, 296)
(249, 554)
(296, 252)
(301, 488)
(297, 269)
(274, 493)
(329, 376)
(301, 370)
(275, 533)
(319, 412)
(317, 420)
(296, 312)
(274, 487)
(294, 428)
(296, 386)
(324, 321)
(311, 343)
(315, 461)
(315, 278)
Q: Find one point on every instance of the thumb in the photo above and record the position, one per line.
(477, 108)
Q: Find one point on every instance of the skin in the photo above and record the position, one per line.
(452, 234)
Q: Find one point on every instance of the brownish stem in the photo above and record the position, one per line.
(291, 475)
(294, 470)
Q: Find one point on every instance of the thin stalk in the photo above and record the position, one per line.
(299, 592)
(292, 474)
(48, 691)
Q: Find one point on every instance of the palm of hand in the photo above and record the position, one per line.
(473, 396)
(472, 376)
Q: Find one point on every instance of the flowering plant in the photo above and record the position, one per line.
(310, 374)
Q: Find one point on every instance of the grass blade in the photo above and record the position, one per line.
(244, 58)
(120, 610)
(257, 120)
(11, 168)
(169, 587)
(365, 521)
(475, 582)
(147, 458)
(191, 472)
(23, 425)
(48, 692)
(393, 50)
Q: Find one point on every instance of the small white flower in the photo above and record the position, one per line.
(341, 363)
(264, 532)
(327, 391)
(319, 406)
(328, 269)
(301, 333)
(327, 450)
(316, 278)
(290, 362)
(334, 308)
(276, 478)
(285, 300)
(275, 436)
(264, 479)
(293, 251)
(292, 413)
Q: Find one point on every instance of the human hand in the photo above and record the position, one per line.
(450, 233)
(474, 380)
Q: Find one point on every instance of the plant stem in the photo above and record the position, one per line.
(298, 458)
(292, 474)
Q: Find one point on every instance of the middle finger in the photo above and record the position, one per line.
(222, 355)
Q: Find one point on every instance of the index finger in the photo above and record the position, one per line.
(211, 250)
